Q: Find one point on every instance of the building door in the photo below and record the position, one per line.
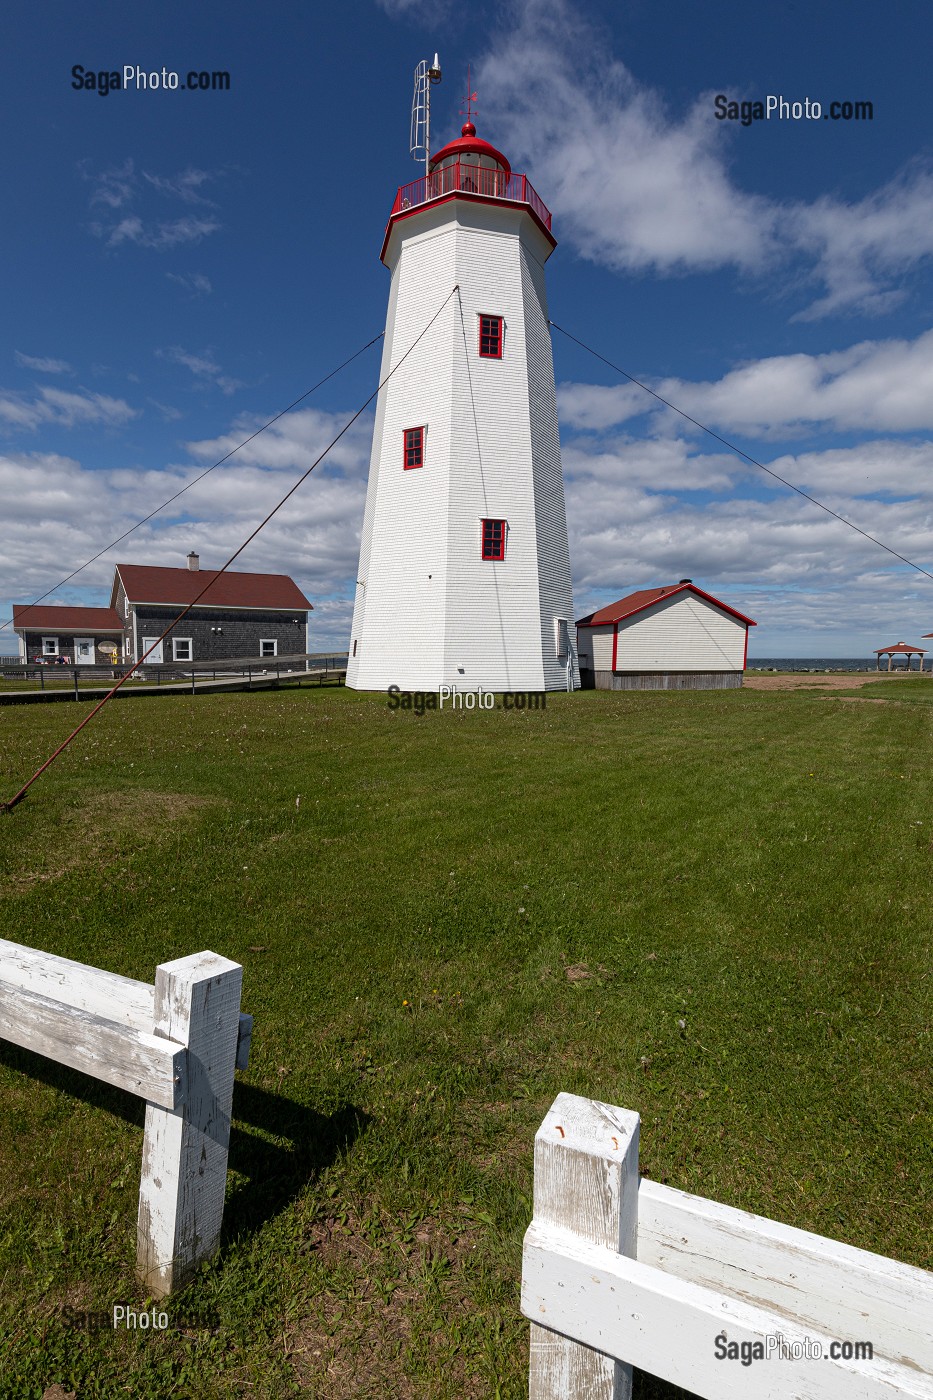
(156, 656)
(84, 651)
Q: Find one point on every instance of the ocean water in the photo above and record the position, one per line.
(828, 663)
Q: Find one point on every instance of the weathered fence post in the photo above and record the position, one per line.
(181, 1198)
(585, 1182)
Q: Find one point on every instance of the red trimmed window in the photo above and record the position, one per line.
(493, 539)
(414, 448)
(490, 337)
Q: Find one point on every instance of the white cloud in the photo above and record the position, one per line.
(57, 513)
(65, 409)
(42, 363)
(877, 385)
(160, 236)
(121, 186)
(203, 366)
(114, 187)
(621, 540)
(635, 187)
(416, 9)
(187, 185)
(194, 282)
(660, 464)
(860, 247)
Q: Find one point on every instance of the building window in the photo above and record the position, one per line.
(414, 448)
(49, 646)
(182, 649)
(490, 337)
(268, 646)
(494, 539)
(354, 646)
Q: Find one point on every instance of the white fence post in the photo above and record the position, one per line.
(586, 1182)
(181, 1198)
(701, 1294)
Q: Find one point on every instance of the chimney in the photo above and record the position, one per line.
(682, 581)
(194, 562)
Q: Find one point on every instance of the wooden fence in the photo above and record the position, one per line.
(728, 1305)
(175, 1044)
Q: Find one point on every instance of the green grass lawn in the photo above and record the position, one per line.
(464, 914)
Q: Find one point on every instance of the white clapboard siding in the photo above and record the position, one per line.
(682, 633)
(601, 648)
(429, 611)
(700, 1270)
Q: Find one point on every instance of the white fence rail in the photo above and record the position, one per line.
(731, 1306)
(175, 1044)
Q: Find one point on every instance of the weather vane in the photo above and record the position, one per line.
(470, 99)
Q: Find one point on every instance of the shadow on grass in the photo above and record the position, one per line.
(276, 1173)
(74, 1083)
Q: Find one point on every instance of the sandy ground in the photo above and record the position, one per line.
(843, 680)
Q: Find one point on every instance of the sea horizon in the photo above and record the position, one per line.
(819, 663)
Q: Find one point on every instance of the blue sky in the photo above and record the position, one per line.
(181, 265)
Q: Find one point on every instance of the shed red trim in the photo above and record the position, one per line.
(637, 602)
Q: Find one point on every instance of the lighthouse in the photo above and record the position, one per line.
(464, 572)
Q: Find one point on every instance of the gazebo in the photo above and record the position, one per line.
(900, 649)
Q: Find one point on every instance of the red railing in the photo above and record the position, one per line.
(463, 178)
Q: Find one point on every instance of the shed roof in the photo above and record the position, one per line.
(644, 597)
(144, 583)
(33, 617)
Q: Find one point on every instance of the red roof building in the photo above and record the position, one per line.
(234, 616)
(144, 583)
(83, 636)
(677, 637)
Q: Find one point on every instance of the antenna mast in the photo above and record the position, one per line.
(426, 75)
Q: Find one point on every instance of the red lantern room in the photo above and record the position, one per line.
(474, 160)
(469, 168)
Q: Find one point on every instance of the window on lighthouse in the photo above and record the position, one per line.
(490, 337)
(413, 455)
(494, 539)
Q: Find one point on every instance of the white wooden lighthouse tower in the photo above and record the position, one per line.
(464, 574)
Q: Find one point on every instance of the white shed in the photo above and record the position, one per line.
(672, 638)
